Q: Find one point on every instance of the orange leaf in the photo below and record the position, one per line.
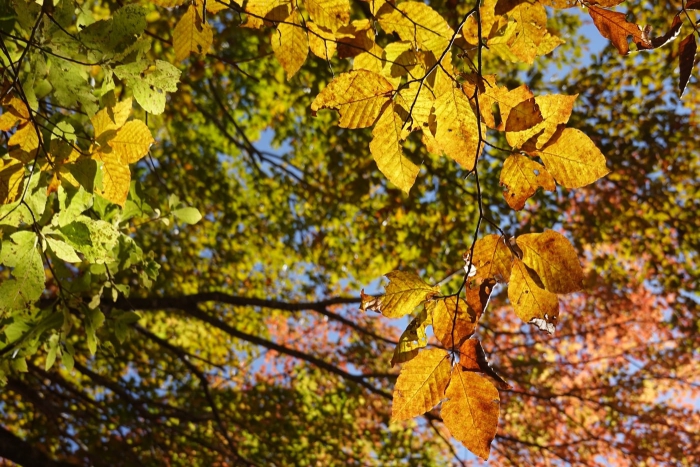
(452, 330)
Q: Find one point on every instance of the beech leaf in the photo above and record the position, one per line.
(521, 176)
(492, 258)
(554, 260)
(529, 299)
(404, 292)
(471, 411)
(686, 59)
(290, 44)
(359, 96)
(614, 26)
(191, 35)
(573, 159)
(387, 148)
(421, 384)
(452, 330)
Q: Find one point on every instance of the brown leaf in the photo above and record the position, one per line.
(672, 33)
(686, 59)
(471, 411)
(614, 26)
(421, 384)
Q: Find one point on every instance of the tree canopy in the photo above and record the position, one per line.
(334, 232)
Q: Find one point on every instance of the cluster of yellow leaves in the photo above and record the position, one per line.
(117, 144)
(537, 267)
(513, 30)
(536, 126)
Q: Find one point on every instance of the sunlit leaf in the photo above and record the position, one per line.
(421, 384)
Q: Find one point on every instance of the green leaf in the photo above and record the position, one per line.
(150, 82)
(67, 360)
(188, 215)
(63, 251)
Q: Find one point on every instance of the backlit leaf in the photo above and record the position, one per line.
(290, 43)
(521, 176)
(529, 299)
(554, 260)
(404, 292)
(191, 35)
(131, 142)
(471, 411)
(330, 14)
(573, 159)
(556, 110)
(686, 59)
(11, 180)
(412, 339)
(614, 26)
(387, 148)
(359, 96)
(492, 258)
(453, 320)
(457, 132)
(433, 34)
(421, 384)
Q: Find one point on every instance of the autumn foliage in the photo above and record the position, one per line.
(189, 207)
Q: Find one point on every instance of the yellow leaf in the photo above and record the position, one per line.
(290, 43)
(168, 3)
(387, 148)
(355, 38)
(330, 14)
(556, 110)
(573, 159)
(11, 180)
(471, 411)
(529, 299)
(489, 22)
(359, 96)
(116, 177)
(131, 142)
(404, 292)
(321, 42)
(412, 339)
(531, 23)
(271, 10)
(521, 176)
(452, 330)
(457, 132)
(434, 33)
(214, 6)
(400, 58)
(492, 259)
(421, 384)
(111, 118)
(422, 105)
(554, 260)
(372, 60)
(191, 35)
(25, 137)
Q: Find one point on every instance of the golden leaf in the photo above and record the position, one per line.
(131, 142)
(191, 35)
(422, 105)
(452, 330)
(529, 299)
(271, 10)
(25, 137)
(111, 118)
(11, 180)
(214, 6)
(573, 159)
(116, 177)
(355, 38)
(521, 176)
(290, 44)
(321, 42)
(556, 110)
(434, 33)
(471, 411)
(359, 96)
(404, 292)
(386, 147)
(554, 260)
(457, 132)
(421, 384)
(412, 339)
(492, 259)
(168, 3)
(330, 14)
